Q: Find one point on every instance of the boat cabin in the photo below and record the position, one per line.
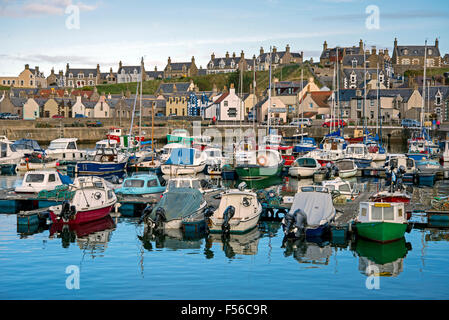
(184, 182)
(106, 155)
(340, 187)
(382, 212)
(358, 150)
(36, 181)
(140, 184)
(398, 160)
(65, 149)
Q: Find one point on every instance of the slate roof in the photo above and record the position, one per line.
(417, 51)
(129, 69)
(177, 66)
(444, 90)
(155, 74)
(89, 104)
(85, 72)
(349, 94)
(18, 102)
(332, 52)
(169, 87)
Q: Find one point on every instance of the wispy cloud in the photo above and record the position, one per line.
(27, 8)
(403, 15)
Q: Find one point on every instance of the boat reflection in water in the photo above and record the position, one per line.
(236, 244)
(92, 236)
(385, 260)
(437, 235)
(174, 239)
(316, 253)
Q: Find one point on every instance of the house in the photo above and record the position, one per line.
(12, 105)
(101, 109)
(315, 104)
(176, 104)
(180, 69)
(277, 111)
(55, 80)
(31, 110)
(197, 103)
(226, 107)
(126, 74)
(355, 78)
(278, 58)
(155, 75)
(329, 55)
(109, 77)
(78, 78)
(79, 107)
(175, 88)
(229, 64)
(28, 78)
(50, 108)
(411, 57)
(249, 101)
(437, 102)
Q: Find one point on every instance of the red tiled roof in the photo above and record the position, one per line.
(222, 97)
(320, 98)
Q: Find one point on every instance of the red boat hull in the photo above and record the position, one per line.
(354, 140)
(84, 216)
(391, 199)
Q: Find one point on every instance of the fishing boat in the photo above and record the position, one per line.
(91, 199)
(184, 161)
(310, 215)
(307, 144)
(185, 182)
(103, 144)
(214, 161)
(9, 154)
(239, 212)
(391, 197)
(65, 149)
(376, 151)
(381, 222)
(346, 168)
(36, 181)
(257, 165)
(304, 167)
(107, 162)
(124, 142)
(429, 166)
(340, 188)
(358, 152)
(176, 205)
(36, 161)
(286, 153)
(140, 184)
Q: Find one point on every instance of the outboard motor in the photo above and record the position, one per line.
(295, 223)
(400, 175)
(208, 212)
(328, 171)
(160, 218)
(146, 212)
(67, 211)
(227, 216)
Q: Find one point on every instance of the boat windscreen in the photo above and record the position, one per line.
(35, 178)
(134, 183)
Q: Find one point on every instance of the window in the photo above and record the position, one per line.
(152, 183)
(31, 82)
(311, 105)
(71, 146)
(389, 213)
(354, 63)
(415, 61)
(376, 213)
(353, 78)
(405, 61)
(438, 99)
(225, 103)
(364, 212)
(21, 82)
(51, 178)
(35, 178)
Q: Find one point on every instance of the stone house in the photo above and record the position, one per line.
(229, 64)
(155, 75)
(329, 55)
(411, 57)
(176, 104)
(180, 69)
(278, 58)
(127, 74)
(49, 109)
(28, 78)
(30, 109)
(78, 78)
(315, 104)
(55, 80)
(277, 111)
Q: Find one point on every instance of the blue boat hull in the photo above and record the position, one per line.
(417, 156)
(361, 163)
(317, 232)
(426, 180)
(299, 149)
(101, 169)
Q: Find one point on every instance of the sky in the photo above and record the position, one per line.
(45, 33)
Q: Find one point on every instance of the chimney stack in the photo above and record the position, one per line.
(261, 51)
(227, 54)
(325, 45)
(287, 48)
(212, 57)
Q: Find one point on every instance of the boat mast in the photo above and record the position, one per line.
(377, 98)
(337, 84)
(424, 87)
(269, 97)
(140, 111)
(302, 109)
(333, 103)
(364, 92)
(134, 110)
(254, 96)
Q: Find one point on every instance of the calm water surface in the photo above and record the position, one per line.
(119, 259)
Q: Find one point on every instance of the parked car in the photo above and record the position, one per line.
(160, 114)
(4, 115)
(80, 116)
(94, 124)
(13, 117)
(301, 121)
(57, 116)
(410, 123)
(334, 123)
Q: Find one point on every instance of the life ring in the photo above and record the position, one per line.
(262, 161)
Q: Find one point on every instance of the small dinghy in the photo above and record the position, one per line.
(310, 214)
(388, 196)
(304, 167)
(36, 181)
(239, 212)
(346, 168)
(140, 185)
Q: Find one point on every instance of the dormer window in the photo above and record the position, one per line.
(429, 52)
(232, 64)
(211, 65)
(405, 52)
(222, 64)
(135, 71)
(91, 75)
(276, 59)
(438, 98)
(381, 78)
(354, 63)
(353, 78)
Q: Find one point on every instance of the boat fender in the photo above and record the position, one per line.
(228, 214)
(262, 161)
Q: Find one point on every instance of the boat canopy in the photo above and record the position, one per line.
(182, 156)
(306, 162)
(345, 165)
(317, 206)
(26, 144)
(179, 203)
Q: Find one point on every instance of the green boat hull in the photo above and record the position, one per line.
(381, 231)
(177, 139)
(257, 172)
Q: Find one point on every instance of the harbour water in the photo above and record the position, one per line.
(118, 259)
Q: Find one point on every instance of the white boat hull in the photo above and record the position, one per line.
(169, 169)
(236, 226)
(302, 172)
(347, 173)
